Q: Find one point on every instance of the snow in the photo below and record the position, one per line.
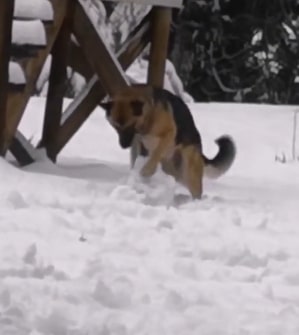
(81, 96)
(87, 248)
(133, 14)
(16, 73)
(34, 9)
(97, 14)
(42, 84)
(172, 81)
(31, 32)
(44, 74)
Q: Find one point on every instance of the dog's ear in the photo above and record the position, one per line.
(107, 106)
(137, 107)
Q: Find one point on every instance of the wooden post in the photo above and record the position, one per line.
(161, 21)
(57, 84)
(17, 103)
(6, 18)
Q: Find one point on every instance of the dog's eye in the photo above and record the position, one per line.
(137, 107)
(107, 106)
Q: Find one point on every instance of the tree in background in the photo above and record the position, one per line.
(232, 50)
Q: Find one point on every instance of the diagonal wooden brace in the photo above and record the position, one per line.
(99, 55)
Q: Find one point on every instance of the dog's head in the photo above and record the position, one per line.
(126, 116)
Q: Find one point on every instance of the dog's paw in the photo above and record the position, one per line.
(148, 169)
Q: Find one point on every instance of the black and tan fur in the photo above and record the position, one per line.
(158, 124)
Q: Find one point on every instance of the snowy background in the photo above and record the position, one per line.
(87, 248)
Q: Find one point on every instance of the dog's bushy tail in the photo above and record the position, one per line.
(224, 159)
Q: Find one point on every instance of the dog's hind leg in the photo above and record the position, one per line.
(192, 171)
(173, 166)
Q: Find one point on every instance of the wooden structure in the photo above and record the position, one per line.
(63, 29)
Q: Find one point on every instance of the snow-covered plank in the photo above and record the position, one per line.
(164, 3)
(16, 74)
(34, 9)
(29, 33)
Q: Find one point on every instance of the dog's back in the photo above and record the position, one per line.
(186, 131)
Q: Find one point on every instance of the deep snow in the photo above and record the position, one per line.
(88, 249)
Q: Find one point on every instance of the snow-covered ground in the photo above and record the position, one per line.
(88, 249)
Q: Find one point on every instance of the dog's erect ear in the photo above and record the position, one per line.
(137, 107)
(107, 106)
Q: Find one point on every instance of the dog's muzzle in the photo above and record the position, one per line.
(126, 136)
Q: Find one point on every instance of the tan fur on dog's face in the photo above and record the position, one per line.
(126, 115)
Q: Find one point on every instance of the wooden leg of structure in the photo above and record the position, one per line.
(6, 16)
(87, 101)
(17, 102)
(161, 22)
(57, 85)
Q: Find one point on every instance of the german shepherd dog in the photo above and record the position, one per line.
(158, 124)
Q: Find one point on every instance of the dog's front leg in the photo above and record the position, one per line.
(157, 154)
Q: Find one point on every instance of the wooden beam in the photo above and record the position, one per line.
(159, 42)
(21, 52)
(78, 112)
(17, 102)
(21, 149)
(57, 84)
(78, 62)
(87, 101)
(6, 18)
(135, 43)
(97, 52)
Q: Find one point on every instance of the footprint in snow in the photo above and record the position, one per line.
(116, 296)
(16, 200)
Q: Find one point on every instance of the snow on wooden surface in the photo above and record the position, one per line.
(29, 32)
(34, 9)
(16, 74)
